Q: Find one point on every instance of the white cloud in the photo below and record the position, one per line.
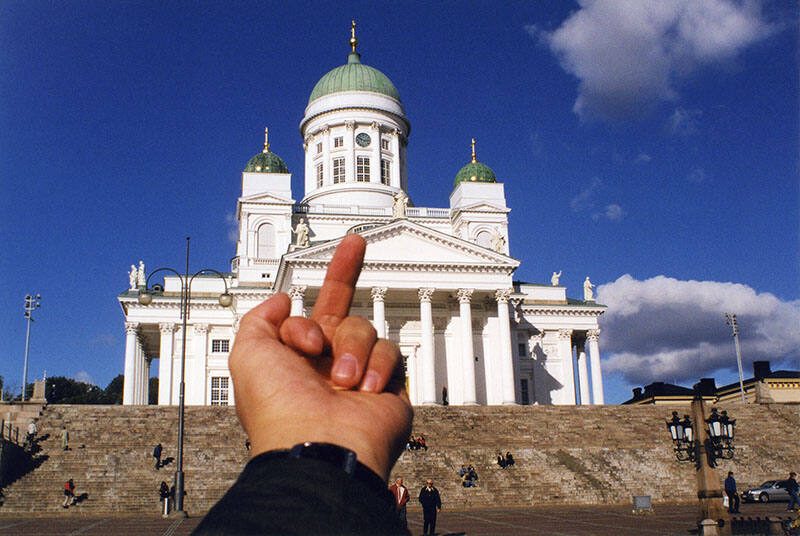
(697, 175)
(611, 212)
(665, 329)
(643, 157)
(628, 54)
(84, 377)
(584, 200)
(106, 340)
(684, 122)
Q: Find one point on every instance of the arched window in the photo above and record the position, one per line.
(484, 238)
(266, 241)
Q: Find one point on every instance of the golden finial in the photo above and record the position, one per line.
(473, 151)
(266, 140)
(353, 40)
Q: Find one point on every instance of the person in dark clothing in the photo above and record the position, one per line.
(792, 486)
(163, 492)
(69, 494)
(501, 461)
(509, 459)
(733, 496)
(157, 456)
(323, 402)
(431, 505)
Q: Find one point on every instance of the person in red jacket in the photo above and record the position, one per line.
(400, 493)
(69, 493)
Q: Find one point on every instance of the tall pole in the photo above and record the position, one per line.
(709, 492)
(185, 314)
(731, 321)
(31, 304)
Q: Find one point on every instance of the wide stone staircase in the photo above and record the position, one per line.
(564, 454)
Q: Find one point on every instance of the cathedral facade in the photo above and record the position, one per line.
(437, 281)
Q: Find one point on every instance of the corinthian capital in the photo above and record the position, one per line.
(425, 294)
(132, 327)
(564, 334)
(166, 327)
(296, 292)
(464, 295)
(502, 295)
(378, 293)
(593, 335)
(201, 328)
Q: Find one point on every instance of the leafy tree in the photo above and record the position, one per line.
(113, 392)
(61, 390)
(153, 394)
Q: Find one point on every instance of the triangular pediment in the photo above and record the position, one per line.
(266, 197)
(403, 242)
(482, 206)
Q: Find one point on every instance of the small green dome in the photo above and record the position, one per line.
(266, 162)
(354, 76)
(475, 172)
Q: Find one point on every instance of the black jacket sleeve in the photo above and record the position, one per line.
(278, 495)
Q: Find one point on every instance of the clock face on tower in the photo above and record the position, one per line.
(363, 139)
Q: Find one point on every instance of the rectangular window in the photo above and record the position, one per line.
(219, 391)
(338, 170)
(522, 348)
(362, 169)
(220, 346)
(338, 141)
(385, 144)
(384, 171)
(320, 176)
(523, 391)
(319, 147)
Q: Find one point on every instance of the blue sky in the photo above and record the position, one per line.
(652, 146)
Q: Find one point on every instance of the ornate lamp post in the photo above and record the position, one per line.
(31, 304)
(146, 298)
(704, 445)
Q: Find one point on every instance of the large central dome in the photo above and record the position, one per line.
(354, 76)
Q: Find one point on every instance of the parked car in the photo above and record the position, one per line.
(769, 491)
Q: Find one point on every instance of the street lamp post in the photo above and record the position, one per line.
(146, 298)
(704, 445)
(731, 321)
(31, 304)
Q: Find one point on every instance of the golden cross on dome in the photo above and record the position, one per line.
(353, 40)
(473, 151)
(266, 140)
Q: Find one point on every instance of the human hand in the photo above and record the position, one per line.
(327, 378)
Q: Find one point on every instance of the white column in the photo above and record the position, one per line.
(583, 376)
(506, 357)
(146, 381)
(350, 149)
(296, 293)
(129, 380)
(567, 371)
(593, 337)
(196, 373)
(375, 159)
(327, 171)
(165, 364)
(139, 371)
(426, 329)
(467, 346)
(379, 311)
(394, 178)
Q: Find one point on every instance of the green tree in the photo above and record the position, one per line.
(112, 394)
(153, 394)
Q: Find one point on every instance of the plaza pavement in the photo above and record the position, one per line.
(666, 520)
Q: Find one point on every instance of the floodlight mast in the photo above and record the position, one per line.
(731, 321)
(31, 304)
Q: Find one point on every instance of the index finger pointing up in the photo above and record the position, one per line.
(336, 294)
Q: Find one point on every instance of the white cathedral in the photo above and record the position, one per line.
(437, 281)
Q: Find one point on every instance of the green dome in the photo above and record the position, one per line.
(266, 162)
(475, 172)
(354, 76)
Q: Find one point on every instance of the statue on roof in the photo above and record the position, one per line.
(555, 277)
(142, 279)
(588, 295)
(301, 233)
(400, 205)
(133, 277)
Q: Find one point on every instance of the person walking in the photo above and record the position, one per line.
(792, 486)
(431, 505)
(69, 493)
(64, 438)
(157, 456)
(400, 493)
(730, 491)
(163, 492)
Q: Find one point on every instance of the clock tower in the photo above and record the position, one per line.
(355, 134)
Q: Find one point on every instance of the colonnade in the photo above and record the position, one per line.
(589, 363)
(135, 389)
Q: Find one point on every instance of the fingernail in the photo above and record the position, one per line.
(370, 381)
(345, 367)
